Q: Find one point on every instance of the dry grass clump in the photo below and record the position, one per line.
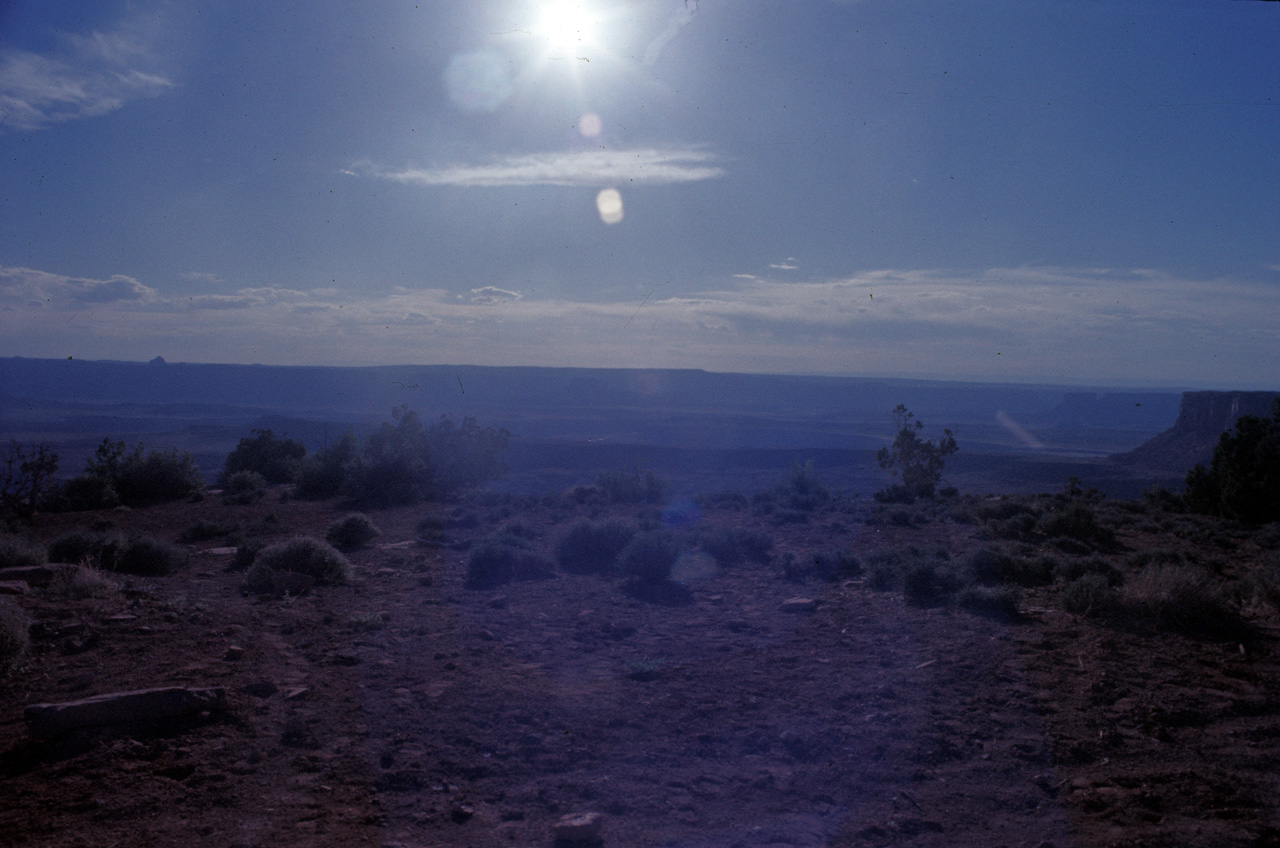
(592, 547)
(1180, 598)
(502, 560)
(302, 555)
(351, 532)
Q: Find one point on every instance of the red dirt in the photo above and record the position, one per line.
(412, 711)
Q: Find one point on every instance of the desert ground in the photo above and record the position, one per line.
(806, 696)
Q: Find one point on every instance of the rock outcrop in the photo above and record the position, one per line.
(1202, 419)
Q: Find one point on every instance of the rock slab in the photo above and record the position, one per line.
(143, 705)
(579, 828)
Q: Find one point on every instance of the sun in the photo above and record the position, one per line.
(565, 24)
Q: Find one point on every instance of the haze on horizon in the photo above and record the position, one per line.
(1008, 190)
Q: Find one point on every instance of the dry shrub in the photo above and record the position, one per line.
(302, 555)
(17, 552)
(353, 531)
(1182, 599)
(590, 547)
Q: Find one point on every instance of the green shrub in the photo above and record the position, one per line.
(591, 547)
(140, 477)
(324, 474)
(85, 492)
(1182, 599)
(802, 491)
(494, 563)
(14, 639)
(275, 460)
(17, 552)
(464, 455)
(998, 602)
(1075, 568)
(649, 556)
(202, 530)
(1089, 594)
(917, 462)
(353, 531)
(928, 583)
(244, 487)
(148, 557)
(887, 567)
(1243, 481)
(301, 555)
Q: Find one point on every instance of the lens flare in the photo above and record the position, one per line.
(609, 204)
(590, 125)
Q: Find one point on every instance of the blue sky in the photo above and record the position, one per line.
(1017, 190)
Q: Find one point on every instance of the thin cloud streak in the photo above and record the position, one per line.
(1019, 323)
(96, 74)
(590, 168)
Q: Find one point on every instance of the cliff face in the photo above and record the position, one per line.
(1202, 418)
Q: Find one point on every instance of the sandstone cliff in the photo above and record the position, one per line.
(1202, 418)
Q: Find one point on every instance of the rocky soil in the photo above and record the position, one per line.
(747, 709)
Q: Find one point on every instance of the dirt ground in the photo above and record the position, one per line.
(407, 710)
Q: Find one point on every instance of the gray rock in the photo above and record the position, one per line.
(14, 587)
(798, 605)
(49, 720)
(578, 828)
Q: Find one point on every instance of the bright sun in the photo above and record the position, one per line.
(565, 24)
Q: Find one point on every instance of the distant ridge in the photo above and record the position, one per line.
(1202, 419)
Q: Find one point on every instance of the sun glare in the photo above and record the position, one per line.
(565, 24)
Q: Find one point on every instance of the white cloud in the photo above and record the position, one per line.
(93, 74)
(591, 168)
(1071, 324)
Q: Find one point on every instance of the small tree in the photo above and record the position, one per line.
(916, 461)
(25, 474)
(275, 459)
(1243, 481)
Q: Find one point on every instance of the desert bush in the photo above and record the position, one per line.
(731, 546)
(631, 485)
(1020, 526)
(1078, 521)
(1074, 568)
(929, 582)
(998, 602)
(243, 487)
(324, 473)
(992, 566)
(1182, 599)
(801, 491)
(894, 494)
(14, 639)
(18, 552)
(148, 557)
(1089, 594)
(887, 568)
(141, 477)
(821, 565)
(493, 563)
(464, 455)
(917, 462)
(274, 459)
(352, 532)
(246, 553)
(87, 546)
(649, 556)
(1243, 480)
(26, 475)
(85, 492)
(786, 515)
(590, 547)
(202, 530)
(301, 555)
(80, 583)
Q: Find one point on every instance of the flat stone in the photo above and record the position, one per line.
(264, 689)
(37, 575)
(578, 827)
(234, 653)
(294, 692)
(49, 720)
(798, 605)
(14, 587)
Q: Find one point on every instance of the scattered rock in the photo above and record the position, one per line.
(263, 689)
(798, 605)
(234, 653)
(578, 828)
(460, 813)
(294, 692)
(386, 572)
(37, 575)
(48, 720)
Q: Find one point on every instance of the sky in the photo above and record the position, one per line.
(1078, 191)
